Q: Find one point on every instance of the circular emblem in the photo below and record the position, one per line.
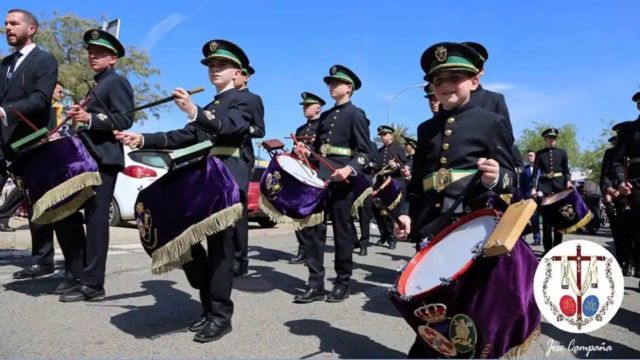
(463, 334)
(95, 35)
(578, 286)
(304, 95)
(213, 46)
(568, 212)
(334, 69)
(441, 54)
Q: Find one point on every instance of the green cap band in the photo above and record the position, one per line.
(455, 63)
(104, 43)
(225, 54)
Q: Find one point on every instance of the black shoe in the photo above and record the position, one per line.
(211, 331)
(363, 250)
(536, 242)
(83, 293)
(6, 228)
(66, 286)
(197, 323)
(392, 244)
(338, 294)
(34, 271)
(240, 269)
(310, 295)
(381, 241)
(299, 258)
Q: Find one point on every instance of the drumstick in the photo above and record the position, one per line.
(304, 157)
(82, 104)
(165, 100)
(378, 203)
(24, 118)
(324, 162)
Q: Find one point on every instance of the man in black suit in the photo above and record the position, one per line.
(27, 79)
(111, 98)
(551, 168)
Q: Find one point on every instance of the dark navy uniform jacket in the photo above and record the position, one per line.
(226, 121)
(257, 128)
(306, 133)
(628, 146)
(343, 128)
(455, 140)
(392, 152)
(116, 94)
(552, 169)
(491, 101)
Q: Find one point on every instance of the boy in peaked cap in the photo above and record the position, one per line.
(551, 168)
(458, 142)
(311, 108)
(342, 138)
(434, 105)
(106, 111)
(228, 120)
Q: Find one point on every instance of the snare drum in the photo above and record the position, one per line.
(462, 304)
(566, 211)
(183, 207)
(291, 191)
(56, 178)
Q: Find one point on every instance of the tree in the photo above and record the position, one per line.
(62, 37)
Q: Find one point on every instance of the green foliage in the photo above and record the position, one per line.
(62, 37)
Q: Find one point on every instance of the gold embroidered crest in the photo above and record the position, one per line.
(213, 46)
(334, 70)
(95, 35)
(145, 222)
(273, 184)
(568, 212)
(441, 54)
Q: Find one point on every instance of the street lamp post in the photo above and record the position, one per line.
(395, 97)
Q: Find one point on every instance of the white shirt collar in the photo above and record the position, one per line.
(27, 49)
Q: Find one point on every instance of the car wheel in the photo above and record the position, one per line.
(266, 223)
(114, 214)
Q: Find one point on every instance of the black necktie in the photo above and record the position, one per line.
(14, 61)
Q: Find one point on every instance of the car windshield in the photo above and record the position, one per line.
(155, 159)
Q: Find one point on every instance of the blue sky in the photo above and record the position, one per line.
(555, 61)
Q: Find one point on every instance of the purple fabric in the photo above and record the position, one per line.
(360, 184)
(288, 195)
(496, 293)
(390, 193)
(567, 211)
(48, 165)
(181, 198)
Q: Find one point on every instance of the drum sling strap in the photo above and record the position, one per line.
(430, 230)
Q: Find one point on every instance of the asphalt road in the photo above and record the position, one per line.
(144, 316)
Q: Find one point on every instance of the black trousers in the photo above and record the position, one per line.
(339, 201)
(210, 272)
(70, 234)
(96, 245)
(633, 225)
(241, 233)
(385, 223)
(310, 234)
(303, 241)
(364, 216)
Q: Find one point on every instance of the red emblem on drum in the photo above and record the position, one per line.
(448, 336)
(568, 305)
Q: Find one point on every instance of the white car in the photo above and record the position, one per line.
(141, 169)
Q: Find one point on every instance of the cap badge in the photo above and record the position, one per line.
(213, 46)
(441, 54)
(334, 70)
(95, 35)
(304, 95)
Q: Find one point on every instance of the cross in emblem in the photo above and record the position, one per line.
(578, 258)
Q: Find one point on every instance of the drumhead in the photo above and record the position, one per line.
(448, 257)
(300, 171)
(556, 197)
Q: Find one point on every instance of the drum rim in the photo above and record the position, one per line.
(402, 280)
(556, 197)
(277, 158)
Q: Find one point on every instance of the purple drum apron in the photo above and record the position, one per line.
(361, 190)
(566, 211)
(462, 304)
(183, 207)
(391, 195)
(56, 178)
(291, 191)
